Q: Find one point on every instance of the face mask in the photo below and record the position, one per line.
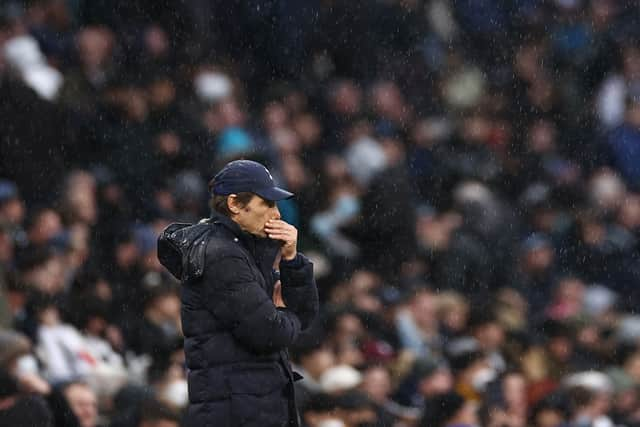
(482, 378)
(602, 421)
(212, 86)
(346, 206)
(26, 365)
(177, 393)
(169, 328)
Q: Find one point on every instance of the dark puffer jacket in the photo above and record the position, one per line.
(235, 337)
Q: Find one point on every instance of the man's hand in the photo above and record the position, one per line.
(277, 295)
(280, 230)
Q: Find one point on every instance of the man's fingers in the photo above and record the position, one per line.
(279, 236)
(280, 231)
(284, 232)
(277, 295)
(277, 227)
(277, 223)
(277, 231)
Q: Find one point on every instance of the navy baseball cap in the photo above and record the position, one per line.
(242, 176)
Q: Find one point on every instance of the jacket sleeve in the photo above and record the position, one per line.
(239, 303)
(299, 290)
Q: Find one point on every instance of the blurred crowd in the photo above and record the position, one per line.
(467, 179)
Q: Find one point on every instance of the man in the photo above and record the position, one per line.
(74, 404)
(237, 319)
(83, 403)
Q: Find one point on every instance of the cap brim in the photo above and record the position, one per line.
(274, 194)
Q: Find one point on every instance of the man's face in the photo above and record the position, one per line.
(424, 310)
(83, 403)
(490, 336)
(440, 381)
(13, 211)
(253, 217)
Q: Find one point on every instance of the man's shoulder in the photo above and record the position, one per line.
(223, 244)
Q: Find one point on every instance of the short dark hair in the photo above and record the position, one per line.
(580, 396)
(218, 202)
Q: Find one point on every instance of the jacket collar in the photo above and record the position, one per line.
(263, 250)
(228, 223)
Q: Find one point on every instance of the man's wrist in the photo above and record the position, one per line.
(290, 257)
(291, 262)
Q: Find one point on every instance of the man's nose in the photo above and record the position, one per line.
(276, 212)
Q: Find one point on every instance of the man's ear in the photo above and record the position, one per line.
(232, 204)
